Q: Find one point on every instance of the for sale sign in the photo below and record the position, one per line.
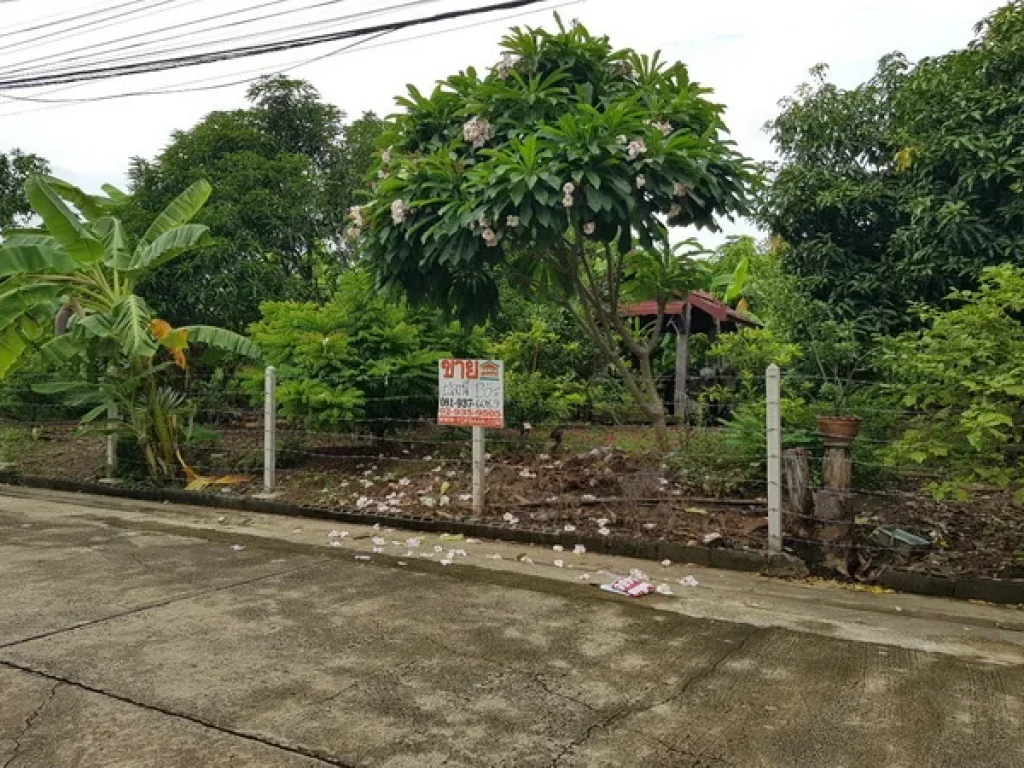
(471, 393)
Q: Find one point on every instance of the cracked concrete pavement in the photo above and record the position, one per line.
(134, 634)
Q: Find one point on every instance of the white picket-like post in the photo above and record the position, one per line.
(773, 392)
(269, 429)
(479, 470)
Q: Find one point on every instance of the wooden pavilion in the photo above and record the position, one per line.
(699, 312)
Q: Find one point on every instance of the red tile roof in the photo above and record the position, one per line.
(700, 300)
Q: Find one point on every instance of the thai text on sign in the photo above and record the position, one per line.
(471, 393)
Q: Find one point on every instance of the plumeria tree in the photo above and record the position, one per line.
(78, 274)
(564, 166)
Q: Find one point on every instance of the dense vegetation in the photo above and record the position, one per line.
(510, 213)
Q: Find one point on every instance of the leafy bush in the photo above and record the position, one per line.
(360, 357)
(540, 399)
(711, 462)
(963, 379)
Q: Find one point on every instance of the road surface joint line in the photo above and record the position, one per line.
(289, 748)
(160, 604)
(623, 712)
(30, 721)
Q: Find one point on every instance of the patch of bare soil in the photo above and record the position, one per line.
(627, 494)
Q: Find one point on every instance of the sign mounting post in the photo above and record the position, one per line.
(471, 393)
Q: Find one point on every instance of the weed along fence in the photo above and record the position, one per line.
(771, 480)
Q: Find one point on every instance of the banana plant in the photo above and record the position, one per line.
(79, 273)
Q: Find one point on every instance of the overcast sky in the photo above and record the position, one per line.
(751, 52)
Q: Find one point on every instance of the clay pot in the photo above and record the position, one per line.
(841, 427)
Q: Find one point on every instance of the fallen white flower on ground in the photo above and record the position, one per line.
(603, 531)
(337, 534)
(583, 577)
(378, 541)
(559, 563)
(666, 563)
(636, 573)
(602, 522)
(237, 547)
(558, 548)
(688, 581)
(335, 544)
(362, 557)
(438, 548)
(579, 549)
(664, 589)
(569, 528)
(447, 562)
(413, 542)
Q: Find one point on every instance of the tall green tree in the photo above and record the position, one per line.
(15, 168)
(561, 166)
(906, 187)
(283, 170)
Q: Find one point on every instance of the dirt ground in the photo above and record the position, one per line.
(596, 482)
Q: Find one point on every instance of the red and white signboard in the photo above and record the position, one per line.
(471, 393)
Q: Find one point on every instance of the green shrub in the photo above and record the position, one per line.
(962, 381)
(361, 357)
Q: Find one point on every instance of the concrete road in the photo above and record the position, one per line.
(152, 635)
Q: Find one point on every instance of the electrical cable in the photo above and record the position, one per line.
(174, 88)
(201, 46)
(44, 21)
(105, 73)
(57, 63)
(64, 34)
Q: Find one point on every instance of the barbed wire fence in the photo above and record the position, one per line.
(550, 475)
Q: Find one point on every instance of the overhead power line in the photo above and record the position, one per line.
(58, 63)
(276, 35)
(47, 21)
(193, 86)
(105, 73)
(51, 35)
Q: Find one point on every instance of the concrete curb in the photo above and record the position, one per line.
(1001, 591)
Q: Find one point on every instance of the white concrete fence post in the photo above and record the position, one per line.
(112, 424)
(479, 470)
(773, 393)
(269, 429)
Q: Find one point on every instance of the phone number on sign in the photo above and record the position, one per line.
(470, 417)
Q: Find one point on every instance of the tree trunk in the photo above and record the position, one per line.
(833, 508)
(654, 407)
(797, 465)
(838, 467)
